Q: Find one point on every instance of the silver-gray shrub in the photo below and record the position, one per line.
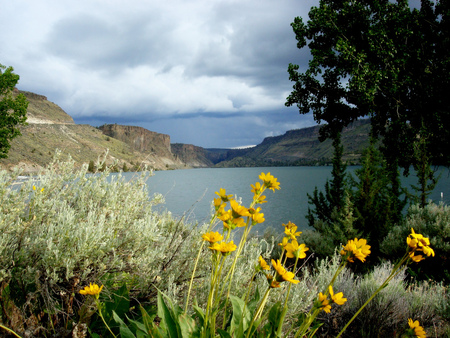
(432, 221)
(386, 314)
(84, 228)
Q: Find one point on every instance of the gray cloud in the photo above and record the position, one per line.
(210, 73)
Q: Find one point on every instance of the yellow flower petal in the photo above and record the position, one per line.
(92, 289)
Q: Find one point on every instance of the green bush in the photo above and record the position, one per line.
(432, 221)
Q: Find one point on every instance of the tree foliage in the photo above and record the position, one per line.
(13, 110)
(329, 203)
(377, 203)
(383, 60)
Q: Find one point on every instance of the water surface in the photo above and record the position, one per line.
(190, 192)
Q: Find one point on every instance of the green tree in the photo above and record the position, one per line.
(91, 166)
(383, 60)
(374, 200)
(328, 205)
(13, 110)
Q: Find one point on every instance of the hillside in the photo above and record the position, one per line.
(50, 128)
(301, 147)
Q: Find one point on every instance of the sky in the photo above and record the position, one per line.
(212, 73)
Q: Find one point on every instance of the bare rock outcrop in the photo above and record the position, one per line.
(140, 139)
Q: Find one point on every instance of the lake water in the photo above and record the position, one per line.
(190, 192)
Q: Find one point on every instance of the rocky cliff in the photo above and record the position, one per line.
(191, 155)
(42, 111)
(139, 138)
(50, 128)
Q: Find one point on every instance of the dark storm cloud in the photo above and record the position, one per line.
(210, 73)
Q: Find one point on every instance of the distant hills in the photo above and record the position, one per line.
(50, 128)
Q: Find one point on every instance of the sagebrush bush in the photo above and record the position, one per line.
(387, 313)
(66, 228)
(434, 222)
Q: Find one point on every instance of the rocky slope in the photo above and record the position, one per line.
(192, 156)
(50, 128)
(301, 147)
(142, 140)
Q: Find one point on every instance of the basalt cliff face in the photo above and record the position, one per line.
(50, 128)
(139, 138)
(192, 156)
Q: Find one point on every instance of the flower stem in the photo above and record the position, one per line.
(9, 330)
(258, 311)
(394, 273)
(283, 314)
(192, 277)
(101, 316)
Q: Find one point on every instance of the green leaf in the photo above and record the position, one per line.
(200, 314)
(273, 319)
(253, 303)
(168, 321)
(147, 319)
(139, 326)
(120, 304)
(125, 332)
(188, 326)
(241, 316)
(223, 333)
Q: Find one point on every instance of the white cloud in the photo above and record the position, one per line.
(146, 61)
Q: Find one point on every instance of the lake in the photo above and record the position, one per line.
(190, 192)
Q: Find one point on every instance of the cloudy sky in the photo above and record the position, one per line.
(207, 72)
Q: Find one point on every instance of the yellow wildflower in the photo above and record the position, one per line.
(416, 258)
(419, 243)
(325, 304)
(256, 189)
(92, 289)
(418, 330)
(428, 251)
(225, 216)
(212, 237)
(284, 242)
(218, 204)
(337, 298)
(224, 248)
(295, 250)
(356, 249)
(270, 182)
(223, 195)
(272, 282)
(261, 199)
(263, 264)
(282, 273)
(238, 222)
(291, 231)
(256, 215)
(238, 210)
(289, 225)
